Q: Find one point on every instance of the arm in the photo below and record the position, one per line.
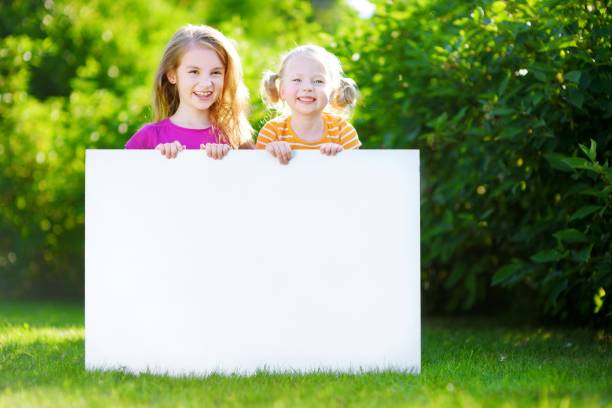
(348, 136)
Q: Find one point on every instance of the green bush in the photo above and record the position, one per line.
(69, 81)
(510, 104)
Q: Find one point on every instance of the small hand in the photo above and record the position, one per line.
(170, 150)
(215, 151)
(331, 149)
(280, 150)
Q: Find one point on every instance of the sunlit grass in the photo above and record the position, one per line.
(24, 334)
(465, 363)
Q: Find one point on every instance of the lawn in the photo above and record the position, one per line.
(464, 363)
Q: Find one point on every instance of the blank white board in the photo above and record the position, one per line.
(195, 266)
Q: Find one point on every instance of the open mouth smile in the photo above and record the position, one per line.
(203, 94)
(306, 99)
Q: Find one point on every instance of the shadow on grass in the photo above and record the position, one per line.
(42, 313)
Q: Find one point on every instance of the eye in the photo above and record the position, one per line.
(296, 80)
(319, 81)
(193, 71)
(217, 73)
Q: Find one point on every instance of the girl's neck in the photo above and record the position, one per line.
(308, 127)
(191, 119)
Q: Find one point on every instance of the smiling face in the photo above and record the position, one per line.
(199, 79)
(305, 86)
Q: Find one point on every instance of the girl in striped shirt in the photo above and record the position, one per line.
(313, 97)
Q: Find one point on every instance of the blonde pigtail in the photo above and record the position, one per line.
(269, 89)
(345, 96)
(342, 98)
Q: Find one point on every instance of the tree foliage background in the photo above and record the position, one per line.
(509, 103)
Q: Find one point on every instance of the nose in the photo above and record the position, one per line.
(307, 86)
(205, 81)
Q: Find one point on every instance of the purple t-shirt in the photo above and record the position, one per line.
(164, 131)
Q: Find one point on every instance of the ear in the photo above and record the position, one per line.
(171, 75)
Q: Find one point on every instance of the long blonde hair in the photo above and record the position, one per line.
(228, 114)
(344, 95)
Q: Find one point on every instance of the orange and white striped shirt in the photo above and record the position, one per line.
(337, 130)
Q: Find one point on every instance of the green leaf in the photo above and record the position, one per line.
(577, 163)
(576, 98)
(509, 133)
(584, 211)
(541, 66)
(584, 149)
(503, 86)
(547, 255)
(608, 112)
(536, 98)
(477, 131)
(477, 14)
(439, 121)
(459, 115)
(487, 213)
(597, 300)
(454, 278)
(573, 76)
(556, 162)
(540, 76)
(556, 289)
(570, 235)
(594, 192)
(583, 255)
(498, 6)
(509, 274)
(578, 188)
(593, 150)
(502, 111)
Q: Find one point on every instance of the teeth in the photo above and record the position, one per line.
(200, 93)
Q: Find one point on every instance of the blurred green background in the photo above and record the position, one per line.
(509, 103)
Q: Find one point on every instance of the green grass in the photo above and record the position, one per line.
(464, 363)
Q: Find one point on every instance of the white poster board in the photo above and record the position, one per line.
(197, 266)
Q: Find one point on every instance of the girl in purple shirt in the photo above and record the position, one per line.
(200, 100)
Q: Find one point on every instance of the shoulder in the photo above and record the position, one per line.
(277, 122)
(338, 122)
(347, 133)
(271, 131)
(335, 120)
(154, 127)
(147, 136)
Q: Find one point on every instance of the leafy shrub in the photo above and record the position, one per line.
(509, 102)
